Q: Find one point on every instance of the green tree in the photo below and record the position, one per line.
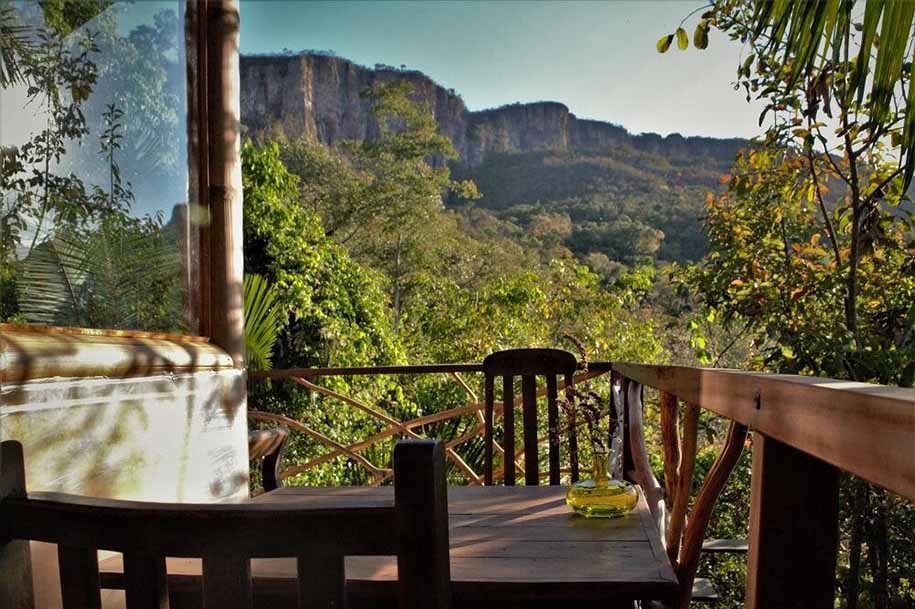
(408, 178)
(335, 306)
(812, 245)
(335, 311)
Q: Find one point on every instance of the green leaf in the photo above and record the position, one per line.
(872, 12)
(700, 36)
(664, 43)
(894, 38)
(682, 39)
(745, 68)
(15, 46)
(52, 284)
(909, 134)
(787, 352)
(263, 321)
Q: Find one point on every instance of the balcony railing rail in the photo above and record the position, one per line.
(395, 427)
(805, 431)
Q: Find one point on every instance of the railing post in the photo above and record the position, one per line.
(794, 514)
(628, 462)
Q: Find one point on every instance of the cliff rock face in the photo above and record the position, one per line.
(319, 97)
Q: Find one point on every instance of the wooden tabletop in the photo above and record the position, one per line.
(517, 545)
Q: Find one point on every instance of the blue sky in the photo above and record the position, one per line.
(596, 57)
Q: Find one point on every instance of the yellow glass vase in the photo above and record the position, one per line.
(602, 496)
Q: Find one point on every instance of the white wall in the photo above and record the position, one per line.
(171, 437)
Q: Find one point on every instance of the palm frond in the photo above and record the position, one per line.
(263, 321)
(15, 43)
(118, 274)
(803, 33)
(52, 282)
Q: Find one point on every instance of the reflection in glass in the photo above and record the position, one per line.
(93, 165)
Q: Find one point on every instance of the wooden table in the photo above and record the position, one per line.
(511, 547)
(521, 546)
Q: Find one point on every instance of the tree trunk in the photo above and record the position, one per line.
(397, 287)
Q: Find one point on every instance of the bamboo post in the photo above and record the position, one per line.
(225, 233)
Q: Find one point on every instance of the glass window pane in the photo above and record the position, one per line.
(93, 165)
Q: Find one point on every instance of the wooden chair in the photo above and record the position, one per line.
(227, 536)
(266, 446)
(528, 364)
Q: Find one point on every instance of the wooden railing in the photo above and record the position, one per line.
(805, 430)
(395, 427)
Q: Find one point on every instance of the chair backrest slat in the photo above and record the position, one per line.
(508, 427)
(528, 364)
(322, 580)
(79, 578)
(146, 581)
(421, 496)
(529, 400)
(552, 415)
(226, 537)
(488, 420)
(573, 431)
(227, 582)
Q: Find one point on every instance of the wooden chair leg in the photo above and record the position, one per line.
(270, 469)
(322, 582)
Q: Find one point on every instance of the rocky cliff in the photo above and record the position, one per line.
(318, 96)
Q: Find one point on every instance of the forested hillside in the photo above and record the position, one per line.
(606, 195)
(617, 205)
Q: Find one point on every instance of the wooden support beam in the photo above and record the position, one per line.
(223, 128)
(684, 483)
(654, 495)
(793, 540)
(711, 489)
(670, 436)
